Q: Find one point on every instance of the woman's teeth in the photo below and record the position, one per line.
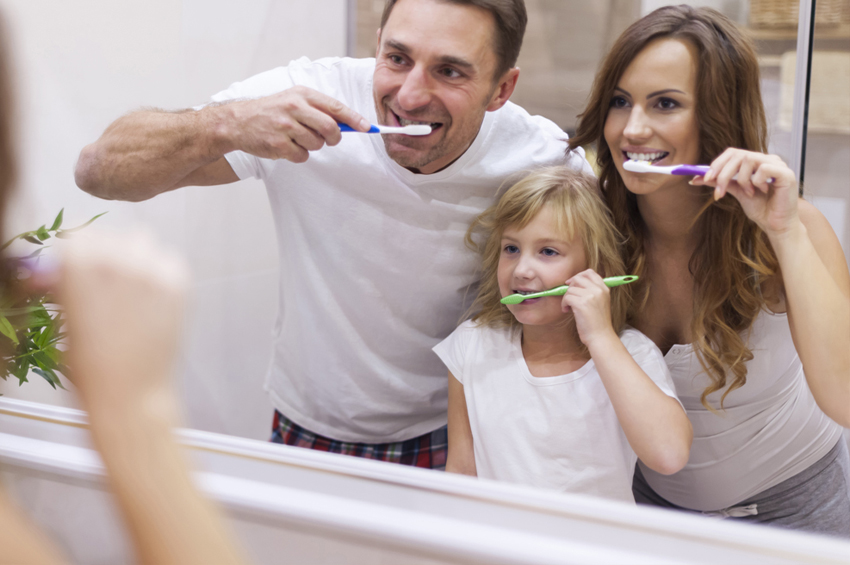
(646, 156)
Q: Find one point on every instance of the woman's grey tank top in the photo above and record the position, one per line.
(769, 430)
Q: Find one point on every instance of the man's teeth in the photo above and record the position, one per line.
(404, 122)
(645, 156)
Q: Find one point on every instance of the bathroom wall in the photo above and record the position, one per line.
(81, 65)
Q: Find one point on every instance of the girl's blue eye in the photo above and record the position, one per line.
(549, 252)
(511, 249)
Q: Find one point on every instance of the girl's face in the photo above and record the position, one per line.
(652, 116)
(534, 258)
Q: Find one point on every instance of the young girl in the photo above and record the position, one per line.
(554, 392)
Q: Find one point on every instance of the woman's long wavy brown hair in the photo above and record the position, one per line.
(579, 211)
(733, 258)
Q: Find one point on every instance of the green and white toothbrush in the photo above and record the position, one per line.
(562, 290)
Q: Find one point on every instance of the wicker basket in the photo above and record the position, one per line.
(785, 13)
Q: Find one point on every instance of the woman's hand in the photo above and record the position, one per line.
(764, 185)
(123, 298)
(590, 302)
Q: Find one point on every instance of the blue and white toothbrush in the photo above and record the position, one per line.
(414, 129)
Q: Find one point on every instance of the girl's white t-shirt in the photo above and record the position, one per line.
(552, 432)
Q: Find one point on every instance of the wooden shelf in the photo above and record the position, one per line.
(840, 31)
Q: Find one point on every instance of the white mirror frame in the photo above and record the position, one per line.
(310, 507)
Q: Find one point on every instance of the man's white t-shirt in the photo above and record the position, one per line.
(373, 267)
(552, 432)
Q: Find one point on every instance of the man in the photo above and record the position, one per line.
(374, 271)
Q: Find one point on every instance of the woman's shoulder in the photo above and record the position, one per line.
(825, 242)
(817, 226)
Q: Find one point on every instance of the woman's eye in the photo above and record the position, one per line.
(619, 102)
(549, 252)
(667, 104)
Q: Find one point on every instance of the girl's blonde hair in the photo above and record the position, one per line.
(579, 211)
(733, 258)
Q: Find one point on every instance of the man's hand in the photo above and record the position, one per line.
(289, 124)
(150, 152)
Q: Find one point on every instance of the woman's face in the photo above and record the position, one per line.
(652, 114)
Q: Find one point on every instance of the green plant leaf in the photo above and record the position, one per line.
(58, 221)
(44, 336)
(43, 360)
(42, 233)
(20, 371)
(40, 317)
(7, 330)
(32, 239)
(19, 236)
(72, 230)
(48, 376)
(19, 311)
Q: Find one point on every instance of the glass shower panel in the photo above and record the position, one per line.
(827, 157)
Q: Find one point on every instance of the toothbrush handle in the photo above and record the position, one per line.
(618, 281)
(562, 290)
(687, 170)
(700, 170)
(346, 127)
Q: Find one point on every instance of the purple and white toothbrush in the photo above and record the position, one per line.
(647, 167)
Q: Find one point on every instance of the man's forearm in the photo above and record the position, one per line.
(150, 152)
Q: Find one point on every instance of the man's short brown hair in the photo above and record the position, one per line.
(511, 19)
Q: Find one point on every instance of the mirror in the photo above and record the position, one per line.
(81, 65)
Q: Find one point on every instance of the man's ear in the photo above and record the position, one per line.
(504, 89)
(378, 47)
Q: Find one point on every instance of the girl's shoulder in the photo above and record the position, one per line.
(638, 344)
(485, 332)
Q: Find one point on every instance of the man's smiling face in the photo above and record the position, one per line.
(435, 65)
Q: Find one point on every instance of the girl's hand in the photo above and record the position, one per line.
(764, 185)
(590, 301)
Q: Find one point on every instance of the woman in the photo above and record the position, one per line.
(744, 286)
(123, 299)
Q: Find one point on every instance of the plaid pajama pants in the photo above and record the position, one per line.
(428, 450)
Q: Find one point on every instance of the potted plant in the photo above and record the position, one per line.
(30, 323)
